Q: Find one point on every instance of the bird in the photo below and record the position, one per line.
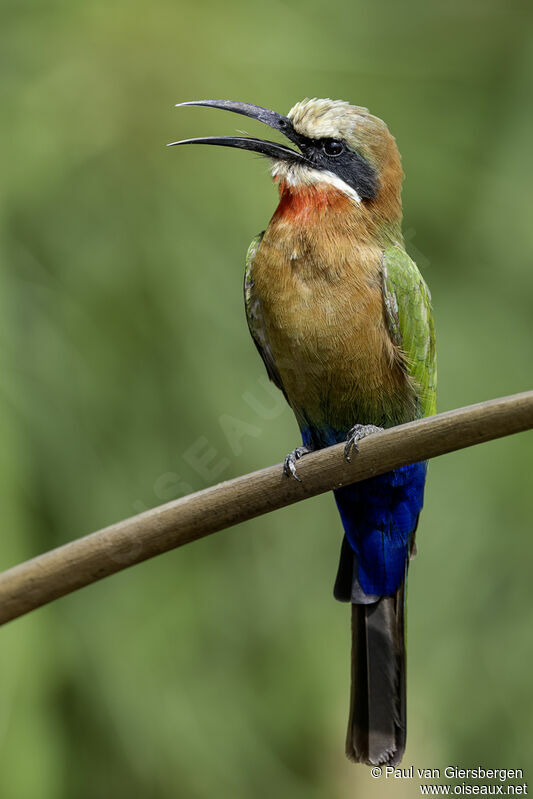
(343, 321)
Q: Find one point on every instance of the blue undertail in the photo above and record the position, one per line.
(379, 516)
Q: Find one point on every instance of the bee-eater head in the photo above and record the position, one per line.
(340, 146)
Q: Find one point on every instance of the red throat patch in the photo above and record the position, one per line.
(298, 203)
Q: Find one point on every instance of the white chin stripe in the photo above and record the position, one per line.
(298, 175)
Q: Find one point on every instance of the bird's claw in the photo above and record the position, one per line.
(356, 434)
(289, 464)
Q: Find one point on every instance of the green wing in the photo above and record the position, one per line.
(254, 315)
(410, 320)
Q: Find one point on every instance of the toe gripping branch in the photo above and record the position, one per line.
(356, 434)
(289, 464)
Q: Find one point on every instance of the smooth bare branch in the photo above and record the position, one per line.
(86, 560)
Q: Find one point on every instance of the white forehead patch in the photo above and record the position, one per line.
(331, 119)
(299, 175)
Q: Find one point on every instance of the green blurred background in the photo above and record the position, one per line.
(222, 669)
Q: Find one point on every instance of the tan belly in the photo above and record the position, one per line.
(324, 320)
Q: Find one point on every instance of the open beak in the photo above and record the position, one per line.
(269, 148)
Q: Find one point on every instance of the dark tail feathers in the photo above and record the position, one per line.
(376, 725)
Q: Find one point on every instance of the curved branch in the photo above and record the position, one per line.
(88, 559)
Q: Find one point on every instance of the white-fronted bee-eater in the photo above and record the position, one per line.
(342, 319)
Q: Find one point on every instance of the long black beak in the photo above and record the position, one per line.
(270, 118)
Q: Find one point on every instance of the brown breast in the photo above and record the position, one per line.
(318, 279)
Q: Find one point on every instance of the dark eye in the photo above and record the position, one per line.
(333, 147)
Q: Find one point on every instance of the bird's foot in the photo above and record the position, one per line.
(356, 434)
(289, 464)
